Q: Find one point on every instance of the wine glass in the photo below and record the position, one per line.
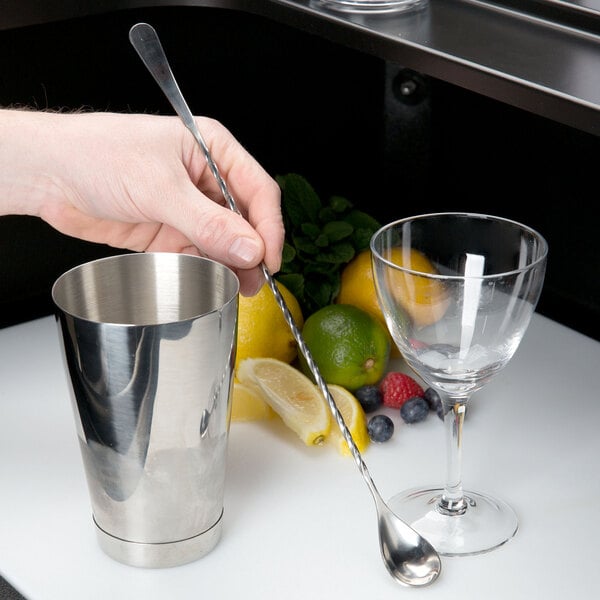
(457, 291)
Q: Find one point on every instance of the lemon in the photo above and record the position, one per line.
(357, 287)
(354, 418)
(248, 405)
(423, 298)
(262, 329)
(290, 394)
(350, 347)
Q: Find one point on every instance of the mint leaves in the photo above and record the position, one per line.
(321, 238)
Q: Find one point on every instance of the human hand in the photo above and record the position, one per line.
(141, 182)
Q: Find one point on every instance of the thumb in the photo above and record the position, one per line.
(218, 232)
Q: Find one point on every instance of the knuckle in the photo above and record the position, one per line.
(212, 233)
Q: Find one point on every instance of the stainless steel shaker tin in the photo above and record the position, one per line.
(149, 345)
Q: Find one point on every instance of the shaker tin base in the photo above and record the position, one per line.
(163, 555)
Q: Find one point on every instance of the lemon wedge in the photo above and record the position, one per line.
(354, 418)
(248, 405)
(291, 394)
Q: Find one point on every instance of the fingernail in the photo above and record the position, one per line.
(244, 249)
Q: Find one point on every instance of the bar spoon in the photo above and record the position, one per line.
(408, 557)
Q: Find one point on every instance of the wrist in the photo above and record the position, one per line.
(25, 152)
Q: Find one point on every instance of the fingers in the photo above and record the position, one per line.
(153, 191)
(251, 280)
(256, 194)
(214, 230)
(226, 236)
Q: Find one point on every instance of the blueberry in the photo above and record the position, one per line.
(415, 409)
(434, 401)
(370, 397)
(381, 428)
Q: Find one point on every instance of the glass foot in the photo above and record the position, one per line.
(485, 524)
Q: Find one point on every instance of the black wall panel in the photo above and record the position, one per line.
(302, 104)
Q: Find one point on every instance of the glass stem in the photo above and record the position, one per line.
(453, 501)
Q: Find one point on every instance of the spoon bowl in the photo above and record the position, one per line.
(407, 555)
(410, 559)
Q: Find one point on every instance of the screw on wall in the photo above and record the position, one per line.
(409, 87)
(407, 134)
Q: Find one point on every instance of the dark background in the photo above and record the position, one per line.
(302, 104)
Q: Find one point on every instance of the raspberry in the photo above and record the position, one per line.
(396, 388)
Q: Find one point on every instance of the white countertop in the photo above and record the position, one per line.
(300, 522)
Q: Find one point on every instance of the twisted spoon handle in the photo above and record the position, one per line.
(145, 40)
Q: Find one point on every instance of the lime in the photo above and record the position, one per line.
(290, 394)
(350, 347)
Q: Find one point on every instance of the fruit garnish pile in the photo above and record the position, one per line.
(327, 283)
(397, 391)
(321, 238)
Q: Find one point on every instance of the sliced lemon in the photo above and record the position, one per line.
(291, 394)
(354, 418)
(247, 404)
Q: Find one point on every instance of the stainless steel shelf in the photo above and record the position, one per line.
(542, 56)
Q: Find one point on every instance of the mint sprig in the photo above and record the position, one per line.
(320, 240)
